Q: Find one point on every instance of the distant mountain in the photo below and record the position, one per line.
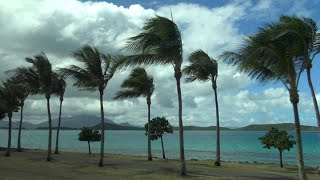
(15, 125)
(76, 122)
(109, 126)
(190, 128)
(282, 126)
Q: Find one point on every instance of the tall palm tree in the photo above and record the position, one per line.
(160, 43)
(95, 74)
(138, 84)
(11, 102)
(203, 68)
(42, 80)
(60, 89)
(24, 91)
(267, 59)
(303, 33)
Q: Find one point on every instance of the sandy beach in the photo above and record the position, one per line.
(31, 164)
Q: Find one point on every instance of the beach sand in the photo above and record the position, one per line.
(31, 164)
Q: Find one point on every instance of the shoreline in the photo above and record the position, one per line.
(13, 149)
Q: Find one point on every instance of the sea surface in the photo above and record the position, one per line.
(236, 146)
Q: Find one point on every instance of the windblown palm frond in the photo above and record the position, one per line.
(202, 68)
(10, 101)
(97, 69)
(137, 84)
(158, 44)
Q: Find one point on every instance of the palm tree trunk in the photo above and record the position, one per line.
(280, 152)
(163, 154)
(182, 159)
(149, 138)
(50, 128)
(294, 98)
(19, 149)
(315, 103)
(9, 135)
(102, 129)
(89, 147)
(58, 129)
(217, 162)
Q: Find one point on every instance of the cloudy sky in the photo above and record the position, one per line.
(59, 27)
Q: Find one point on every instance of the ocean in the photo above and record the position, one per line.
(236, 146)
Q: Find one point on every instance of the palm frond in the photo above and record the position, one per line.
(159, 43)
(126, 94)
(137, 84)
(202, 68)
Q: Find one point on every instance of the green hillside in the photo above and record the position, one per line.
(282, 126)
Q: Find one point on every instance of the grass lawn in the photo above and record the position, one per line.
(31, 164)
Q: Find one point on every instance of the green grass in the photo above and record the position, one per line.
(32, 165)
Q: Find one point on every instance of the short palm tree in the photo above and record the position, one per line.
(60, 89)
(138, 84)
(203, 68)
(24, 89)
(266, 59)
(303, 33)
(9, 97)
(95, 74)
(41, 80)
(160, 43)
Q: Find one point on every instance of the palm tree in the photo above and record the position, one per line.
(24, 91)
(138, 84)
(41, 80)
(61, 86)
(10, 102)
(203, 68)
(97, 71)
(160, 43)
(303, 32)
(265, 58)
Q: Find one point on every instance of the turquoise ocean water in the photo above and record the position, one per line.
(236, 146)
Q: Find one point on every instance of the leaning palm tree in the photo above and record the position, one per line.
(138, 84)
(202, 68)
(24, 91)
(95, 74)
(11, 102)
(303, 33)
(160, 43)
(267, 59)
(42, 80)
(60, 89)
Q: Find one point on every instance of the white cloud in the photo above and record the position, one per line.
(60, 27)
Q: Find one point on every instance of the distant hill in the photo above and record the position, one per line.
(15, 125)
(197, 128)
(282, 126)
(75, 122)
(109, 126)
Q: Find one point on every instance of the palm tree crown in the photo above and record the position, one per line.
(160, 43)
(137, 84)
(202, 68)
(97, 71)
